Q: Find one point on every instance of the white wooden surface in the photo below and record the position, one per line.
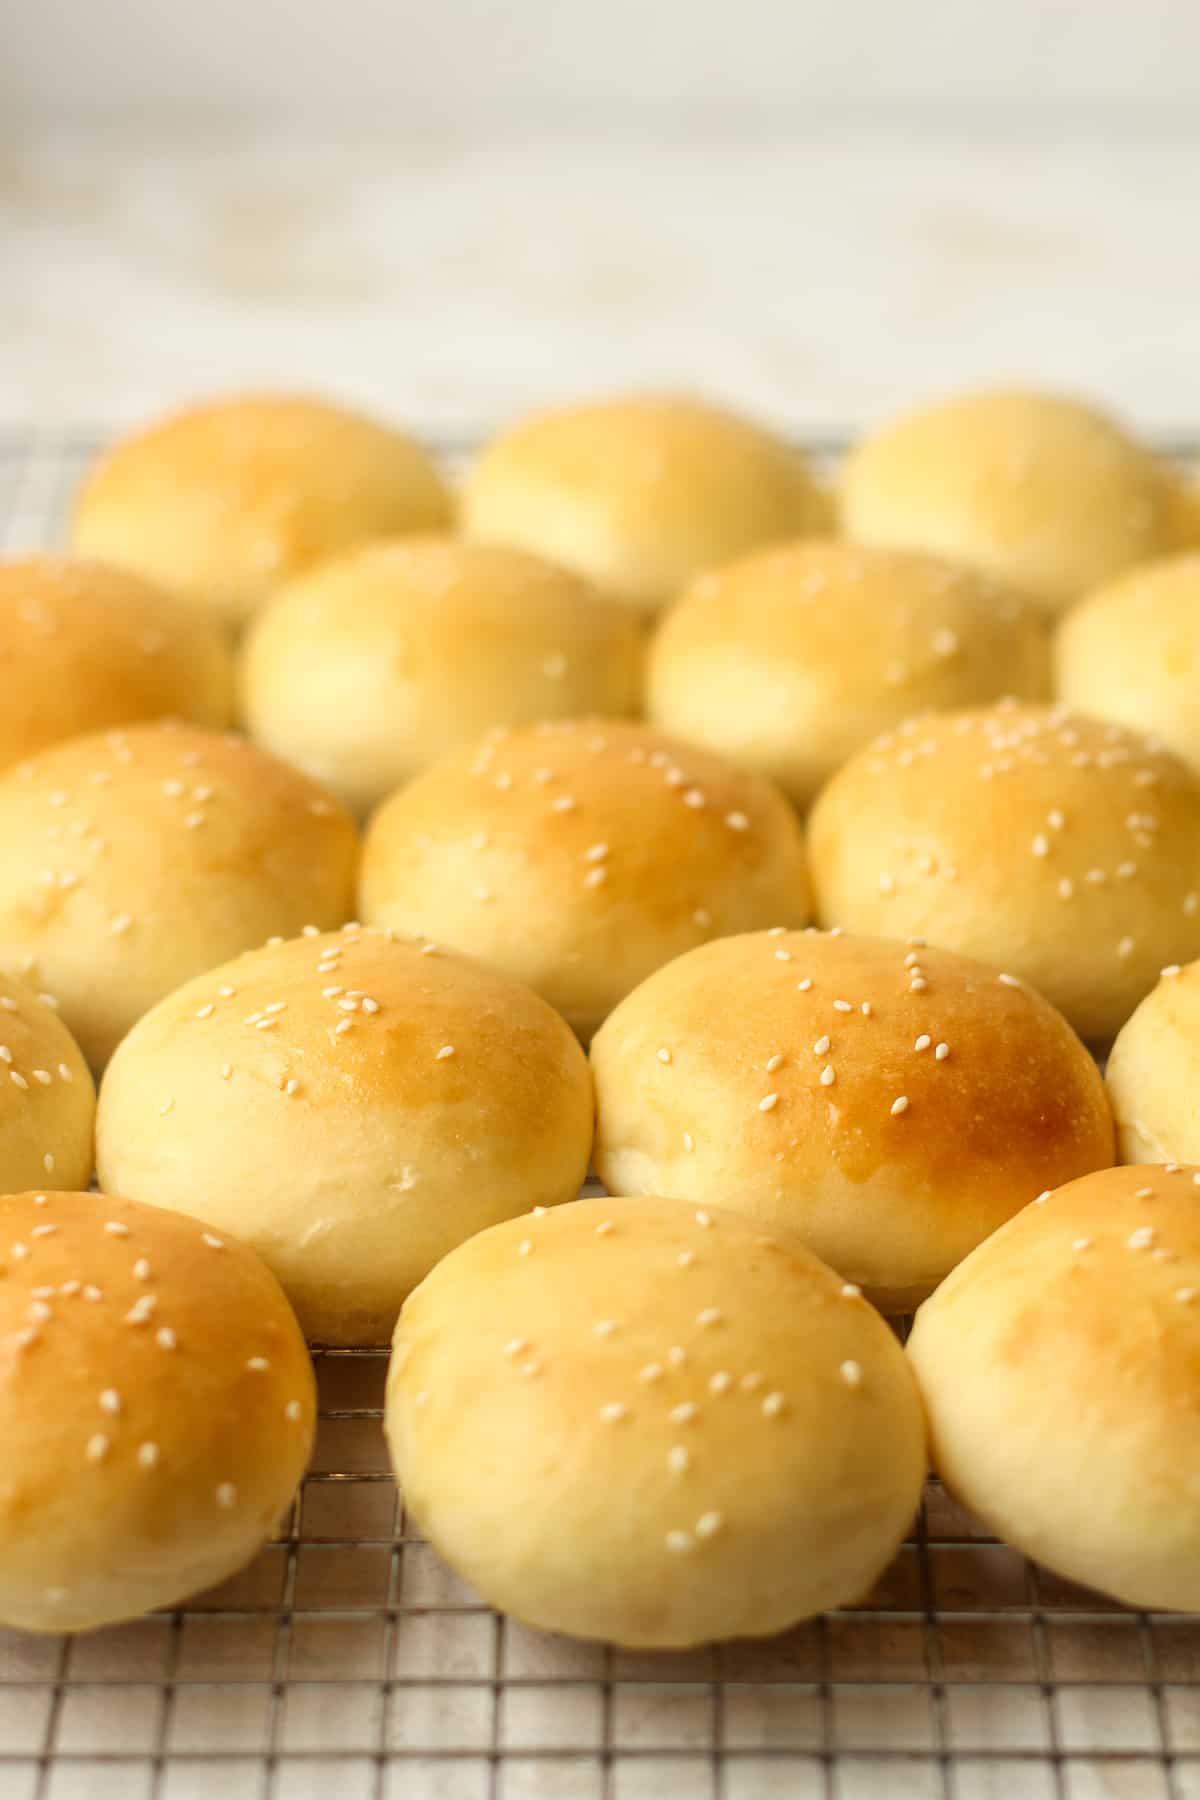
(821, 279)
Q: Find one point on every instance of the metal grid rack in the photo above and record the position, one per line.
(347, 1663)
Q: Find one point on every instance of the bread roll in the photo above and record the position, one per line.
(156, 1409)
(227, 499)
(47, 1096)
(640, 493)
(1154, 1073)
(1063, 851)
(1131, 652)
(377, 1103)
(630, 1420)
(790, 659)
(1058, 1365)
(130, 860)
(83, 646)
(1037, 490)
(369, 669)
(889, 1105)
(580, 856)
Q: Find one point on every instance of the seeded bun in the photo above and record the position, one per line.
(1154, 1070)
(634, 1421)
(134, 859)
(790, 659)
(378, 1102)
(1058, 1365)
(156, 1409)
(1131, 652)
(891, 1106)
(1064, 851)
(226, 500)
(47, 1096)
(581, 856)
(83, 646)
(1037, 490)
(639, 493)
(369, 669)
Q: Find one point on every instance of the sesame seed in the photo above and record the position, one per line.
(226, 1495)
(226, 1071)
(689, 1142)
(257, 1363)
(1042, 1198)
(773, 1405)
(147, 1455)
(708, 1524)
(110, 1400)
(686, 1259)
(524, 1247)
(596, 853)
(40, 1311)
(923, 1042)
(828, 1075)
(679, 1541)
(206, 1011)
(140, 1311)
(678, 1458)
(802, 987)
(606, 1327)
(614, 1411)
(17, 1080)
(43, 1231)
(293, 1412)
(1040, 845)
(821, 1047)
(214, 1243)
(676, 1356)
(941, 1052)
(43, 1077)
(768, 1103)
(603, 1229)
(737, 821)
(917, 985)
(1170, 972)
(563, 803)
(702, 917)
(1082, 1243)
(851, 1374)
(842, 1006)
(515, 1346)
(1142, 1238)
(1144, 1193)
(165, 1338)
(851, 1291)
(711, 1315)
(89, 1291)
(116, 1228)
(720, 1382)
(1185, 1294)
(97, 1447)
(694, 798)
(368, 1004)
(1008, 981)
(783, 956)
(684, 1413)
(749, 1382)
(899, 1105)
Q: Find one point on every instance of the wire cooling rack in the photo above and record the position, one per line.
(348, 1663)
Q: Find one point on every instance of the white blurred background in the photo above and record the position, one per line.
(457, 210)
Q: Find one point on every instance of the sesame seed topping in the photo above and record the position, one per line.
(1144, 1193)
(293, 1411)
(773, 1405)
(842, 1006)
(1142, 1238)
(614, 1411)
(664, 1055)
(515, 1346)
(258, 1363)
(684, 1413)
(828, 1075)
(899, 1105)
(711, 1315)
(917, 985)
(214, 1243)
(676, 1356)
(43, 1231)
(678, 1458)
(226, 1496)
(720, 1382)
(1185, 1295)
(606, 1327)
(689, 1142)
(1082, 1243)
(1170, 972)
(851, 1373)
(737, 821)
(802, 987)
(679, 1541)
(1008, 981)
(116, 1227)
(1042, 1198)
(525, 1247)
(97, 1447)
(604, 1227)
(686, 1258)
(851, 1291)
(821, 1047)
(941, 1052)
(749, 1382)
(768, 1103)
(923, 1042)
(165, 1338)
(147, 1455)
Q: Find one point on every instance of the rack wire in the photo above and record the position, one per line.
(348, 1663)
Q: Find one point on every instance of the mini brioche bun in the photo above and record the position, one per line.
(372, 667)
(157, 1408)
(134, 859)
(1131, 652)
(224, 501)
(83, 646)
(47, 1095)
(634, 1421)
(790, 659)
(1035, 489)
(377, 1103)
(891, 1106)
(1153, 1073)
(1058, 1366)
(1062, 850)
(580, 855)
(639, 492)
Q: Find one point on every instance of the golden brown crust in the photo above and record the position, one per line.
(639, 492)
(377, 1104)
(1033, 488)
(133, 859)
(1061, 849)
(582, 854)
(790, 659)
(1060, 1366)
(1153, 1073)
(83, 646)
(372, 667)
(892, 1140)
(47, 1095)
(1131, 652)
(631, 1420)
(157, 1408)
(225, 500)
